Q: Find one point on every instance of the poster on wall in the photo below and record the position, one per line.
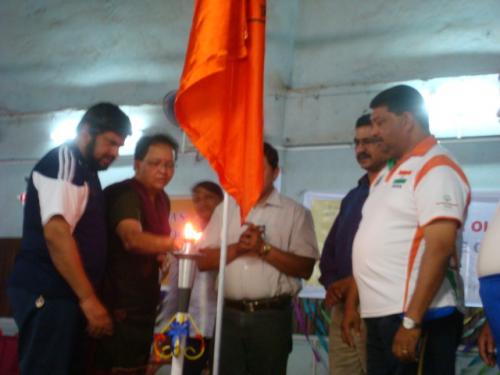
(325, 207)
(481, 210)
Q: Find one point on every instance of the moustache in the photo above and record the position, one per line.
(362, 156)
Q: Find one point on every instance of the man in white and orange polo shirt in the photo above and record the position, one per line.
(404, 254)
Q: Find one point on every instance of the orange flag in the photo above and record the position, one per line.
(219, 103)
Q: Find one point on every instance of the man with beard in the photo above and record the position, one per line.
(336, 264)
(63, 249)
(139, 232)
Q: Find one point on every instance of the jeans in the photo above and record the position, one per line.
(489, 290)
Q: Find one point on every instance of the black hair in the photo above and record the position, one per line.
(145, 142)
(363, 121)
(403, 98)
(210, 186)
(271, 155)
(103, 117)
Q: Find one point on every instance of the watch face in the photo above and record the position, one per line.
(408, 323)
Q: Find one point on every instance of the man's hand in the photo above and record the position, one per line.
(251, 239)
(486, 345)
(336, 292)
(351, 324)
(177, 243)
(98, 319)
(404, 345)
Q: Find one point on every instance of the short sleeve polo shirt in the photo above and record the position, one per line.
(424, 186)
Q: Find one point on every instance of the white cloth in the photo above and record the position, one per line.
(489, 254)
(288, 226)
(61, 196)
(388, 247)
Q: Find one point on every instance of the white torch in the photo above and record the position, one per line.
(187, 264)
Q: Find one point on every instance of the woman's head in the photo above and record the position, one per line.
(206, 196)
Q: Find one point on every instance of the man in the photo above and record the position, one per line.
(139, 232)
(489, 281)
(267, 258)
(335, 263)
(406, 244)
(63, 248)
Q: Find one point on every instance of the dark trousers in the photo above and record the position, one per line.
(439, 340)
(195, 367)
(51, 335)
(255, 343)
(130, 345)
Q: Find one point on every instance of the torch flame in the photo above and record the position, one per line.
(190, 233)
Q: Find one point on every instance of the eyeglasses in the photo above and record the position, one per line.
(157, 164)
(365, 141)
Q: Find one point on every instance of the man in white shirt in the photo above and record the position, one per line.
(267, 258)
(404, 252)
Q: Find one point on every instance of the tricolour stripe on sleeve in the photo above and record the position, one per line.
(439, 161)
(442, 161)
(415, 245)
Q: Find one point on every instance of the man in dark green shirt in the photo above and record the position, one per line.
(139, 235)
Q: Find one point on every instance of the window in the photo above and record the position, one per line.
(463, 106)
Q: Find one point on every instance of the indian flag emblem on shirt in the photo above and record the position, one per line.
(401, 178)
(398, 182)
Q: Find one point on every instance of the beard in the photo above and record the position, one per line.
(94, 164)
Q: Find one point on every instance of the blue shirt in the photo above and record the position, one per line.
(336, 259)
(61, 183)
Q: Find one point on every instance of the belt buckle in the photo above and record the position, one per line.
(40, 302)
(252, 305)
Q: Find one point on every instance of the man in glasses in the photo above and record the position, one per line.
(335, 263)
(139, 235)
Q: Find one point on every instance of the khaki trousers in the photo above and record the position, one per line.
(343, 359)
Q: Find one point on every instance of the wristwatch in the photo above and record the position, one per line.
(265, 249)
(409, 323)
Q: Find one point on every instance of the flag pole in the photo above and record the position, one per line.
(220, 287)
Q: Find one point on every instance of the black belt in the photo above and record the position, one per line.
(274, 303)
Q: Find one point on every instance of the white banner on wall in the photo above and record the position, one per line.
(481, 211)
(324, 208)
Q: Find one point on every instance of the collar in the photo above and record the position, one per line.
(419, 150)
(364, 180)
(274, 199)
(140, 185)
(423, 146)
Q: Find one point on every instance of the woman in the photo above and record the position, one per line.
(206, 197)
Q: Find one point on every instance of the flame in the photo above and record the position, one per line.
(190, 233)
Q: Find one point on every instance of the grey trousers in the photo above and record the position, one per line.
(255, 343)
